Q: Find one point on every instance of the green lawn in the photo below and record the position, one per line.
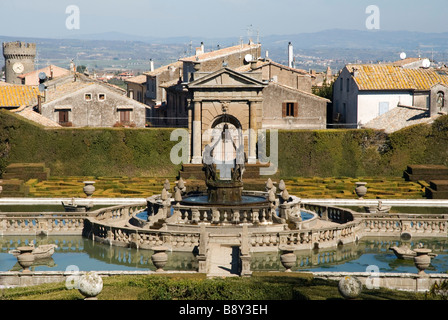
(261, 286)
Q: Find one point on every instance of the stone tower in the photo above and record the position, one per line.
(19, 59)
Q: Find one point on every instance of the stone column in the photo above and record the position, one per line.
(190, 126)
(197, 134)
(252, 158)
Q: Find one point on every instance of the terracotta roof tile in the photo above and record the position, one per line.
(137, 79)
(18, 95)
(32, 78)
(389, 77)
(221, 52)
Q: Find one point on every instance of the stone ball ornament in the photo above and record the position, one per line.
(350, 287)
(90, 285)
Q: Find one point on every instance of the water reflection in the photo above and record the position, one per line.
(357, 257)
(88, 255)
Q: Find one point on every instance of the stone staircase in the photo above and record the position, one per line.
(426, 172)
(433, 177)
(438, 189)
(17, 174)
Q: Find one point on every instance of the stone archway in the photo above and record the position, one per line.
(227, 142)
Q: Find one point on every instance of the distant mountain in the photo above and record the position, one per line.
(335, 38)
(357, 39)
(314, 50)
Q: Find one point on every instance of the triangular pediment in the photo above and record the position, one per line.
(226, 78)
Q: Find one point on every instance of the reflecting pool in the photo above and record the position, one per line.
(88, 255)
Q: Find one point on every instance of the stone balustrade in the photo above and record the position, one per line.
(415, 225)
(334, 214)
(19, 223)
(111, 225)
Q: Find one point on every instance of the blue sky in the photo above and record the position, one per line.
(216, 18)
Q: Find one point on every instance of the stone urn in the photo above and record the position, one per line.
(89, 188)
(90, 285)
(159, 258)
(288, 258)
(350, 287)
(361, 189)
(25, 258)
(422, 260)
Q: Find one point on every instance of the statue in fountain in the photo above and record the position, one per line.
(227, 186)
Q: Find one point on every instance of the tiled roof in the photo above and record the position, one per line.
(32, 78)
(389, 77)
(63, 89)
(221, 52)
(398, 118)
(29, 114)
(262, 63)
(176, 65)
(18, 95)
(140, 79)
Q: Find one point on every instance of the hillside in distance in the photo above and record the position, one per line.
(316, 50)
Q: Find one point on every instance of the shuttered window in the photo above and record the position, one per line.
(290, 109)
(125, 116)
(63, 116)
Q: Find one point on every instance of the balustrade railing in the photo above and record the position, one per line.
(18, 223)
(334, 214)
(414, 224)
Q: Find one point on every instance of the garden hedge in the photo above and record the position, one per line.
(146, 152)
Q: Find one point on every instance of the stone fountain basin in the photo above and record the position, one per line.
(246, 200)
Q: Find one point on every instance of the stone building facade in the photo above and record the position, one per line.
(245, 101)
(363, 93)
(82, 102)
(19, 59)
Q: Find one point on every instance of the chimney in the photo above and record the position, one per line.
(151, 65)
(290, 55)
(202, 47)
(267, 54)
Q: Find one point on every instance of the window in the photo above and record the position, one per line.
(348, 85)
(101, 97)
(88, 96)
(383, 107)
(125, 116)
(342, 84)
(290, 109)
(440, 100)
(63, 117)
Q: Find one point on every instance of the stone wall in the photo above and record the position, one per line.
(101, 110)
(312, 110)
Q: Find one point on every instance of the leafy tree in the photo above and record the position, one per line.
(81, 69)
(326, 91)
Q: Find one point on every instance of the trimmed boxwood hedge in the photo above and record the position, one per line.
(146, 152)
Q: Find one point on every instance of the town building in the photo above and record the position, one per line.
(19, 60)
(16, 96)
(79, 101)
(51, 71)
(362, 93)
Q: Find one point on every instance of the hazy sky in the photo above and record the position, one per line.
(216, 18)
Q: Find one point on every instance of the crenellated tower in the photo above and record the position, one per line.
(19, 59)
